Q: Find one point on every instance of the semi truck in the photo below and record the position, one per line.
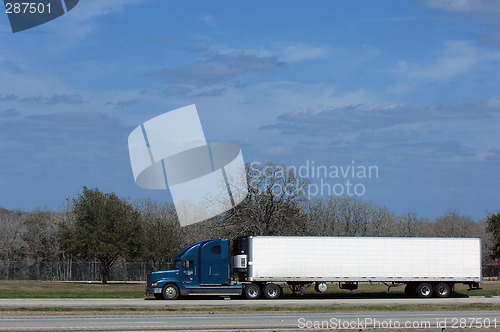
(259, 266)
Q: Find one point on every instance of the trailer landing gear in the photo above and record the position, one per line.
(296, 286)
(474, 286)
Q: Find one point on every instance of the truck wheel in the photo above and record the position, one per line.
(272, 291)
(252, 291)
(424, 290)
(442, 290)
(170, 292)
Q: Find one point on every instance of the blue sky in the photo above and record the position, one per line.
(411, 87)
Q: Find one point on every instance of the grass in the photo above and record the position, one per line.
(23, 289)
(18, 289)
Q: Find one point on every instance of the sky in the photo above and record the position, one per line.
(408, 88)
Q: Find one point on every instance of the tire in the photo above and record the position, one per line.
(159, 296)
(170, 292)
(410, 290)
(320, 287)
(252, 291)
(442, 290)
(272, 291)
(424, 290)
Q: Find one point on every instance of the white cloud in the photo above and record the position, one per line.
(92, 8)
(218, 67)
(207, 19)
(465, 6)
(212, 93)
(79, 22)
(458, 58)
(470, 125)
(295, 52)
(289, 52)
(29, 83)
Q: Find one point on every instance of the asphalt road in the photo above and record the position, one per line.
(141, 303)
(349, 321)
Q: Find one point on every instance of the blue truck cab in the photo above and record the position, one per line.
(202, 268)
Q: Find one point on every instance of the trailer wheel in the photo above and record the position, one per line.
(170, 292)
(271, 291)
(424, 290)
(252, 291)
(442, 290)
(320, 287)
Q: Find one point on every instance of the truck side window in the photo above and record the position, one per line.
(187, 264)
(215, 250)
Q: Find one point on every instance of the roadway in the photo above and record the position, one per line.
(248, 321)
(203, 302)
(259, 321)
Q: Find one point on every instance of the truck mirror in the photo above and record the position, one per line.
(185, 264)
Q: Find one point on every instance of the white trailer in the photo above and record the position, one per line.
(428, 266)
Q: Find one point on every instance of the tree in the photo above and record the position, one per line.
(452, 224)
(40, 228)
(348, 216)
(105, 228)
(162, 233)
(11, 235)
(409, 225)
(274, 205)
(493, 227)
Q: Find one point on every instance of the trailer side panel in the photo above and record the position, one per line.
(345, 259)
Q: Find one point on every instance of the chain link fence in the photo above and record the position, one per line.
(72, 271)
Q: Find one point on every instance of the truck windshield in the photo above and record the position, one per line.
(178, 264)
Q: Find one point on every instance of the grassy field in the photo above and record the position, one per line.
(49, 289)
(19, 289)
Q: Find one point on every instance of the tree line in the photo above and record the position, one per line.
(103, 227)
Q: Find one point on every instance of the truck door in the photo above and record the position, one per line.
(214, 263)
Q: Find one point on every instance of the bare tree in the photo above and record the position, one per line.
(380, 221)
(409, 225)
(40, 235)
(452, 224)
(11, 241)
(274, 205)
(321, 221)
(348, 216)
(342, 216)
(163, 237)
